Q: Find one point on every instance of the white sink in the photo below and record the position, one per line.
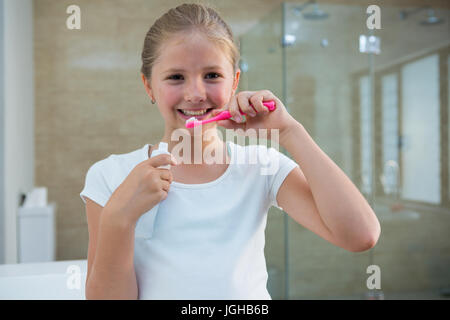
(58, 280)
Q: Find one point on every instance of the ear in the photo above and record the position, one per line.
(147, 86)
(236, 79)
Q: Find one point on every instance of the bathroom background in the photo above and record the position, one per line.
(376, 101)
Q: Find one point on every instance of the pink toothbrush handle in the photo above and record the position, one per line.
(227, 115)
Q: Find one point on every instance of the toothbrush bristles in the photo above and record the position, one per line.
(192, 122)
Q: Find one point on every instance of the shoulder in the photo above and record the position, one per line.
(131, 157)
(100, 165)
(262, 152)
(246, 149)
(111, 171)
(259, 159)
(116, 161)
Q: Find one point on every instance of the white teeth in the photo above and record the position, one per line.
(194, 113)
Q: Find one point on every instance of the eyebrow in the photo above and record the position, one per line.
(181, 70)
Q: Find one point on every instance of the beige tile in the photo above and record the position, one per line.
(72, 243)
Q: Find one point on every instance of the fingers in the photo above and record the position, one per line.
(233, 108)
(244, 103)
(161, 179)
(231, 124)
(165, 185)
(257, 102)
(165, 175)
(215, 112)
(250, 103)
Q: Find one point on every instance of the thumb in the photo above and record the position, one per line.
(215, 112)
(231, 124)
(162, 160)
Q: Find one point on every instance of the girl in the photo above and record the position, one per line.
(207, 239)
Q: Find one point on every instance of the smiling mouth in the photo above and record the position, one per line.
(199, 114)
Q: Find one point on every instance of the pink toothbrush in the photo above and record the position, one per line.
(193, 122)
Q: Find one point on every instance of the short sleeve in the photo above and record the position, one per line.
(281, 166)
(95, 186)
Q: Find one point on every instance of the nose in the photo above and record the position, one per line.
(195, 91)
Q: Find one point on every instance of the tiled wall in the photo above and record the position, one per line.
(90, 102)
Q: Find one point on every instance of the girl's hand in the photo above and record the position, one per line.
(258, 116)
(144, 187)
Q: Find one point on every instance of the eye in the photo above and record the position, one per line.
(213, 73)
(177, 76)
(173, 77)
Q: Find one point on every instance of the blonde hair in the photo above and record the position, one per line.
(188, 17)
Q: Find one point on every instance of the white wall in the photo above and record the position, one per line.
(17, 144)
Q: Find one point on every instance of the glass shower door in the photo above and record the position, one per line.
(383, 118)
(329, 90)
(309, 58)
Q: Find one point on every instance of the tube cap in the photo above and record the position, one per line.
(163, 146)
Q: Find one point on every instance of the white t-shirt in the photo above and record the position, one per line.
(208, 239)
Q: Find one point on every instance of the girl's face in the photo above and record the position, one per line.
(191, 77)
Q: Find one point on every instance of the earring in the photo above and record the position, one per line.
(153, 101)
